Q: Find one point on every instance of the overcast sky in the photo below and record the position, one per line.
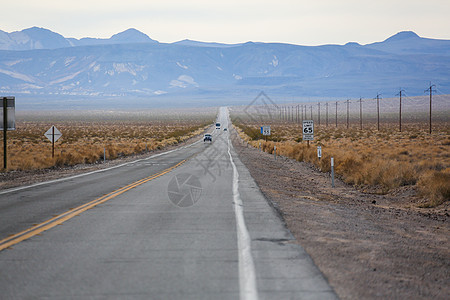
(301, 22)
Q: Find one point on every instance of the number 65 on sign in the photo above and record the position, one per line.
(308, 130)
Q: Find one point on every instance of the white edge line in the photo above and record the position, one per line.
(92, 172)
(247, 277)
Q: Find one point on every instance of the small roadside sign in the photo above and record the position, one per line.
(8, 122)
(265, 130)
(53, 134)
(319, 152)
(308, 130)
(10, 112)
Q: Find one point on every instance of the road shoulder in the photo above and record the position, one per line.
(366, 247)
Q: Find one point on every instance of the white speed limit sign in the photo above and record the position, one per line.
(265, 130)
(308, 130)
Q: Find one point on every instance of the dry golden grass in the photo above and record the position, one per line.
(84, 142)
(384, 160)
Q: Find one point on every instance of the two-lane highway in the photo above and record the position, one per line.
(189, 224)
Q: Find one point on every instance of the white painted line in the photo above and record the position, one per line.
(92, 172)
(247, 277)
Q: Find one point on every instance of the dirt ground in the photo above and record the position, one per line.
(368, 246)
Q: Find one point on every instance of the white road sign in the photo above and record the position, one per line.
(308, 130)
(53, 134)
(265, 130)
(319, 151)
(11, 111)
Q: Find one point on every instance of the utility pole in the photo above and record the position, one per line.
(336, 113)
(348, 101)
(326, 104)
(318, 112)
(310, 107)
(431, 93)
(400, 111)
(378, 111)
(360, 113)
(5, 130)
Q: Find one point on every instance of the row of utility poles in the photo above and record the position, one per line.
(298, 113)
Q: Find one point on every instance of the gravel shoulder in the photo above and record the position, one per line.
(368, 246)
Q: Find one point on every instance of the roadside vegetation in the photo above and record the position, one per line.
(374, 161)
(85, 136)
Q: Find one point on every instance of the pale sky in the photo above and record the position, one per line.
(303, 22)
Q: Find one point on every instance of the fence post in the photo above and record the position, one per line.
(275, 152)
(332, 172)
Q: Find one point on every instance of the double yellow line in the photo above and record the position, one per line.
(59, 219)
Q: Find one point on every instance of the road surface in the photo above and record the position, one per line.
(187, 224)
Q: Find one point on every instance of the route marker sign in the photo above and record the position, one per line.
(53, 135)
(308, 130)
(265, 130)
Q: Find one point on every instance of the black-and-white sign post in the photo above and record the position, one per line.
(8, 123)
(53, 135)
(308, 130)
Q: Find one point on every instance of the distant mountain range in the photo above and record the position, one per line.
(37, 62)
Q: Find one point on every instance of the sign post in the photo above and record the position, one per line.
(308, 130)
(8, 123)
(332, 172)
(53, 135)
(319, 152)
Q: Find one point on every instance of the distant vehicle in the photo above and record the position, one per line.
(207, 137)
(224, 129)
(217, 125)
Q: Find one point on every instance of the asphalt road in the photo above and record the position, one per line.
(187, 224)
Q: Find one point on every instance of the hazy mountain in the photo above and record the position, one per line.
(41, 38)
(408, 42)
(32, 38)
(129, 36)
(131, 64)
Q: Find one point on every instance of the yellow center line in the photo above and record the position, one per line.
(61, 218)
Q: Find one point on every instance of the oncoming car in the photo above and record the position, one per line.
(207, 137)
